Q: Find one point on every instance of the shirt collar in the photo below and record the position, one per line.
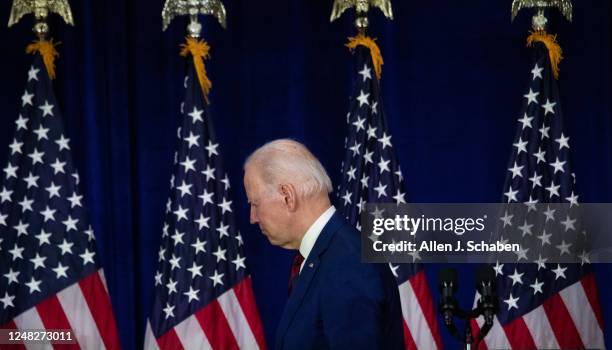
(310, 237)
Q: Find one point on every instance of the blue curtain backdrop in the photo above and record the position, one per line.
(453, 80)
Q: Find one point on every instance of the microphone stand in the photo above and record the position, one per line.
(467, 338)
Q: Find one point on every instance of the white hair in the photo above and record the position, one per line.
(288, 161)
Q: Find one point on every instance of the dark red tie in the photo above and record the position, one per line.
(295, 269)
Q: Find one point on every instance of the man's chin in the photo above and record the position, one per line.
(270, 239)
(273, 241)
(278, 243)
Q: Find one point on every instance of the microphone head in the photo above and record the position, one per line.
(485, 285)
(448, 277)
(485, 274)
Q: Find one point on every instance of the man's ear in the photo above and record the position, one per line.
(289, 196)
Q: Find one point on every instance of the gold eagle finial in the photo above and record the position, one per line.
(173, 8)
(361, 9)
(40, 9)
(361, 6)
(565, 6)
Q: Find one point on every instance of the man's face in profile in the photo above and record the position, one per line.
(267, 208)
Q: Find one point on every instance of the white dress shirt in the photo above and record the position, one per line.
(310, 237)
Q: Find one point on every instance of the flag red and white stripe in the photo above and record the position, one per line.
(420, 322)
(229, 322)
(84, 308)
(570, 319)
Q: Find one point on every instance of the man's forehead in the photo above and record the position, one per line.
(252, 173)
(251, 180)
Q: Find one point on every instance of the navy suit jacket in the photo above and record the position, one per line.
(337, 302)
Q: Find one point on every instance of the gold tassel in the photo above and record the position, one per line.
(48, 53)
(554, 50)
(199, 50)
(377, 59)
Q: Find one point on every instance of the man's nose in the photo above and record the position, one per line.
(253, 217)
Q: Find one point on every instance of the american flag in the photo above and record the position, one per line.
(543, 305)
(51, 276)
(371, 174)
(203, 294)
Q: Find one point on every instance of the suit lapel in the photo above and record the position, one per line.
(302, 282)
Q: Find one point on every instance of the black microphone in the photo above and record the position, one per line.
(447, 281)
(485, 285)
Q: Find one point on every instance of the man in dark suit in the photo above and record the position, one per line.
(335, 301)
